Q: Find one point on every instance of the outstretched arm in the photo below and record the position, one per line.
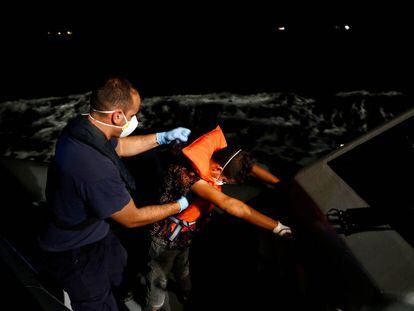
(133, 145)
(130, 216)
(233, 206)
(263, 175)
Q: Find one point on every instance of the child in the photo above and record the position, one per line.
(203, 167)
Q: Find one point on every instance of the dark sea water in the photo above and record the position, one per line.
(284, 131)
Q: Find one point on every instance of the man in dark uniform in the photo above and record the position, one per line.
(88, 183)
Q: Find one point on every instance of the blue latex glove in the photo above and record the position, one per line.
(179, 133)
(183, 203)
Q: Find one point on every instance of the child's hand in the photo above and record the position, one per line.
(282, 230)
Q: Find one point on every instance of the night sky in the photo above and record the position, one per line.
(182, 49)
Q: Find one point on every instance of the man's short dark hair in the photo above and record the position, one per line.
(114, 93)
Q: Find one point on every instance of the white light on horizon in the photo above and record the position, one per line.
(281, 28)
(69, 32)
(347, 27)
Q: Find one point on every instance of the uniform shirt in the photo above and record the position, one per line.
(86, 177)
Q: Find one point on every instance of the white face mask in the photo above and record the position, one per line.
(218, 182)
(127, 128)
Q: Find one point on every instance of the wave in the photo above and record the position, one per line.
(283, 131)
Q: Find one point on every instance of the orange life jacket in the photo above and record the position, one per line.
(199, 153)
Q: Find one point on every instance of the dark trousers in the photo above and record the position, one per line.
(165, 260)
(91, 275)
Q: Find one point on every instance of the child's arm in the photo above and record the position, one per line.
(238, 208)
(263, 175)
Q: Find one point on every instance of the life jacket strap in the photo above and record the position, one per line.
(180, 224)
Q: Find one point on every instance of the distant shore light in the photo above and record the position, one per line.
(347, 27)
(59, 33)
(69, 32)
(281, 28)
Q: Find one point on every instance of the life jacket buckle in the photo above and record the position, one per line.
(180, 224)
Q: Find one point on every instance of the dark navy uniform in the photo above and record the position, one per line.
(87, 186)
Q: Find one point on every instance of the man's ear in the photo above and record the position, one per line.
(117, 117)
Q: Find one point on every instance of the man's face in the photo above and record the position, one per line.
(118, 116)
(121, 117)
